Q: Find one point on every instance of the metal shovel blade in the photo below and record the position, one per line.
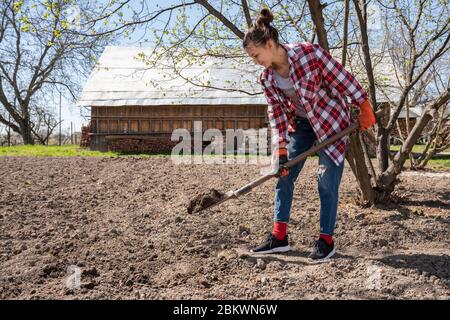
(200, 204)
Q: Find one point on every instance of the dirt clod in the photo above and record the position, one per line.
(204, 200)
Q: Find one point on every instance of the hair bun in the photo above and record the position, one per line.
(265, 17)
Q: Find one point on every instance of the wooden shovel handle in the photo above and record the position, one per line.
(321, 145)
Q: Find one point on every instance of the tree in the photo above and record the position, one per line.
(425, 36)
(44, 125)
(379, 185)
(42, 50)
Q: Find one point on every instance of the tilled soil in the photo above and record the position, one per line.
(118, 228)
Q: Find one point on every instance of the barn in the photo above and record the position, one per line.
(135, 105)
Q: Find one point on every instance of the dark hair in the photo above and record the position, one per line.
(261, 31)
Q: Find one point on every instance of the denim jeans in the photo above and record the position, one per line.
(328, 178)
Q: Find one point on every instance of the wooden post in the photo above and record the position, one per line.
(9, 130)
(71, 133)
(48, 129)
(60, 117)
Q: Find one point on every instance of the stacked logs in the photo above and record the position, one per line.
(147, 145)
(85, 140)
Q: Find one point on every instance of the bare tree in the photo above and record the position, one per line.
(424, 43)
(44, 125)
(382, 183)
(41, 51)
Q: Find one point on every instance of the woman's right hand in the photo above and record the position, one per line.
(281, 157)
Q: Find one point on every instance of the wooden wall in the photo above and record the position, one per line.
(164, 119)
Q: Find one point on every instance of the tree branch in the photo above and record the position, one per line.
(221, 17)
(246, 13)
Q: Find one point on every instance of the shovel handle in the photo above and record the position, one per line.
(352, 127)
(248, 187)
(321, 145)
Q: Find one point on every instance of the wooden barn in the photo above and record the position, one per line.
(136, 106)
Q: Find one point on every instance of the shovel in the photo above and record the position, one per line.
(219, 198)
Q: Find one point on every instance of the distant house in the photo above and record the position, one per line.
(136, 106)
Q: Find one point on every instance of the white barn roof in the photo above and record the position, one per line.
(122, 78)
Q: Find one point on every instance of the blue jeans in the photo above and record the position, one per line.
(328, 178)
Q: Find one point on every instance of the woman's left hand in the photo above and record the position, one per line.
(366, 116)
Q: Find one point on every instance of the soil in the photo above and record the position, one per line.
(204, 200)
(117, 228)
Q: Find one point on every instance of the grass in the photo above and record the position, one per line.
(76, 150)
(439, 164)
(419, 148)
(60, 151)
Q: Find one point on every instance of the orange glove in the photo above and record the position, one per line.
(281, 156)
(366, 116)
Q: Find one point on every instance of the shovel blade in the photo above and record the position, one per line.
(227, 196)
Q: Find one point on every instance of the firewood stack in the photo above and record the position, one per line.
(85, 137)
(148, 145)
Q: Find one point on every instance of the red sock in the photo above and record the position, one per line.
(279, 230)
(328, 239)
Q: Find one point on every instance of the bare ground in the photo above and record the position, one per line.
(123, 223)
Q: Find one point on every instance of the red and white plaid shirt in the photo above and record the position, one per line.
(322, 85)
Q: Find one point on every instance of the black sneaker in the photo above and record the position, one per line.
(322, 251)
(272, 245)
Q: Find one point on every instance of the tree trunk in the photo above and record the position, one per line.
(355, 153)
(388, 178)
(25, 126)
(316, 7)
(383, 149)
(26, 132)
(359, 168)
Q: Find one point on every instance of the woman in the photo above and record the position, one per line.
(306, 91)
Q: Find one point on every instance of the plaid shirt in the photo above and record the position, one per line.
(322, 85)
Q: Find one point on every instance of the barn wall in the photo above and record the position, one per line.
(164, 119)
(111, 123)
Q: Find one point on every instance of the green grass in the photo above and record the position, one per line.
(60, 151)
(76, 150)
(419, 148)
(436, 164)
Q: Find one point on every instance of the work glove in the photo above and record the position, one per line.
(366, 116)
(281, 157)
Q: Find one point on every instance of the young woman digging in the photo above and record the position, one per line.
(306, 90)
